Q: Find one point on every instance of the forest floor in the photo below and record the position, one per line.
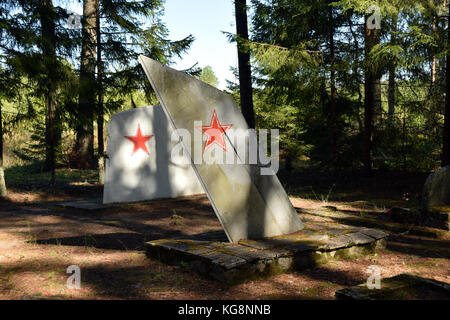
(40, 240)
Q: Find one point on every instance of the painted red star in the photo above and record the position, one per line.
(215, 132)
(139, 140)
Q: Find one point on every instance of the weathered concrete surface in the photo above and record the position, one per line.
(436, 191)
(248, 205)
(149, 172)
(249, 259)
(400, 287)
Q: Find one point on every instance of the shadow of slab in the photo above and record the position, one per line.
(95, 204)
(211, 256)
(86, 204)
(378, 223)
(110, 241)
(400, 287)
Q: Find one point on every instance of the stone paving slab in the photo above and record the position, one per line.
(250, 259)
(400, 287)
(373, 233)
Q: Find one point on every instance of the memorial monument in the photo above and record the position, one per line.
(249, 205)
(247, 197)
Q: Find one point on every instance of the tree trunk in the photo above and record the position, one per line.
(84, 146)
(100, 115)
(333, 112)
(49, 54)
(446, 133)
(392, 67)
(245, 75)
(433, 61)
(433, 118)
(371, 82)
(3, 192)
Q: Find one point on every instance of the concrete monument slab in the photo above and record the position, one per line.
(139, 165)
(248, 205)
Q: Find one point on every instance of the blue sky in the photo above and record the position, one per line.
(205, 20)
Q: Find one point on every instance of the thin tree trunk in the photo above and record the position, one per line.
(3, 191)
(392, 67)
(371, 38)
(446, 133)
(245, 74)
(49, 53)
(432, 119)
(84, 147)
(333, 112)
(391, 92)
(51, 105)
(100, 115)
(433, 61)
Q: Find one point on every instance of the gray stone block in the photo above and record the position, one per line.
(375, 234)
(360, 238)
(342, 241)
(224, 260)
(234, 263)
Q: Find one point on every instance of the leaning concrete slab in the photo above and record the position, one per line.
(248, 205)
(317, 243)
(400, 287)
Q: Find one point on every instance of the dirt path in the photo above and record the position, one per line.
(38, 241)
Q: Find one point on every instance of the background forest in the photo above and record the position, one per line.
(351, 84)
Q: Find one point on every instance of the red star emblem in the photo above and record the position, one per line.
(139, 140)
(215, 132)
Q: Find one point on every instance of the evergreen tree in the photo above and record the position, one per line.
(124, 30)
(36, 49)
(48, 34)
(207, 75)
(292, 59)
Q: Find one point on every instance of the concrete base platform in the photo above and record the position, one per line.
(210, 255)
(401, 287)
